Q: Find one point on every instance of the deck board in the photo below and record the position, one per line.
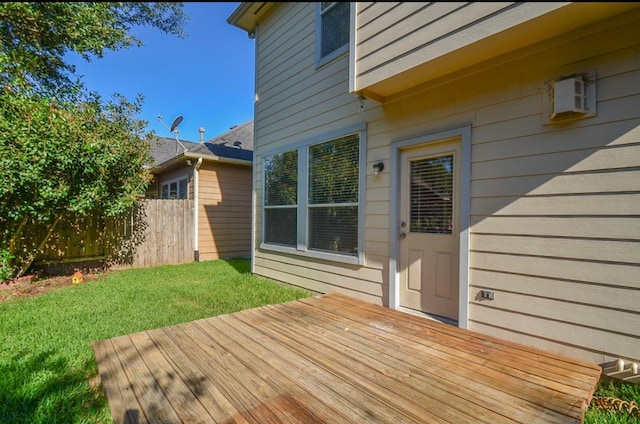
(333, 359)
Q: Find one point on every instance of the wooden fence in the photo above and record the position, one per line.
(168, 236)
(158, 232)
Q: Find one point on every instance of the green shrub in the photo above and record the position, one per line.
(6, 270)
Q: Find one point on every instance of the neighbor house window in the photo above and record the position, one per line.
(175, 189)
(312, 199)
(332, 28)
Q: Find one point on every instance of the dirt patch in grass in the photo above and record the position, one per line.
(35, 285)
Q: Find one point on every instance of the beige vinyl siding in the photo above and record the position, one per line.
(599, 227)
(299, 102)
(554, 209)
(321, 276)
(395, 37)
(224, 211)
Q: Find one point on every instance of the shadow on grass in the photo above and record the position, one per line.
(241, 265)
(44, 388)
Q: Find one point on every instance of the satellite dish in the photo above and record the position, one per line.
(176, 122)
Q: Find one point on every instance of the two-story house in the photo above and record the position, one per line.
(476, 162)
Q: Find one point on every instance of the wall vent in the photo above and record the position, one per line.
(569, 98)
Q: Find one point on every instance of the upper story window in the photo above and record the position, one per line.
(332, 30)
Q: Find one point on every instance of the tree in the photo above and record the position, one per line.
(63, 149)
(34, 37)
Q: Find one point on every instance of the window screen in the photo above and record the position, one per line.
(333, 195)
(281, 198)
(334, 26)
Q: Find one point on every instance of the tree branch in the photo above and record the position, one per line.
(16, 235)
(32, 255)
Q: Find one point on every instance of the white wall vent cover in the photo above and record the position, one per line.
(570, 98)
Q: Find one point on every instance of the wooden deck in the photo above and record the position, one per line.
(334, 359)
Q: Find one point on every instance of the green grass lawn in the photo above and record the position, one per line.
(614, 388)
(47, 368)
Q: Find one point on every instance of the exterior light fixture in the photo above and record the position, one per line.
(377, 168)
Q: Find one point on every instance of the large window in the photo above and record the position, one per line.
(175, 189)
(332, 30)
(319, 210)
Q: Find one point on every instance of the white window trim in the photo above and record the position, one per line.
(302, 248)
(321, 61)
(177, 181)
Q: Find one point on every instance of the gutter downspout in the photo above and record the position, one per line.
(196, 190)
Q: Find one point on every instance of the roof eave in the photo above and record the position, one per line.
(187, 156)
(247, 15)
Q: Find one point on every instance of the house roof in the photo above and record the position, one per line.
(234, 146)
(164, 148)
(237, 143)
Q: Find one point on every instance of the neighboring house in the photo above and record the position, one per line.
(217, 175)
(475, 161)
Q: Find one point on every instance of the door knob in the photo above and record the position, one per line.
(402, 235)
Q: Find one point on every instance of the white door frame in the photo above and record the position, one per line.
(464, 134)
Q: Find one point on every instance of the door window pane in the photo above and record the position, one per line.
(431, 195)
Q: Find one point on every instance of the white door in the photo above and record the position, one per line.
(429, 230)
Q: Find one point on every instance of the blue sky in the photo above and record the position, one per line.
(207, 77)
